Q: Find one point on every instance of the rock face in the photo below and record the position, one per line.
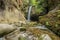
(11, 12)
(53, 3)
(52, 20)
(5, 29)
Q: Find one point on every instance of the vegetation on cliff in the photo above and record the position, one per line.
(44, 12)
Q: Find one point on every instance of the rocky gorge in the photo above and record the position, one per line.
(20, 22)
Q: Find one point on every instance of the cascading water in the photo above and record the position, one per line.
(29, 12)
(1, 38)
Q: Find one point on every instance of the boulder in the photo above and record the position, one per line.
(45, 37)
(5, 29)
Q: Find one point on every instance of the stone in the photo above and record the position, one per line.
(46, 37)
(11, 13)
(5, 29)
(52, 20)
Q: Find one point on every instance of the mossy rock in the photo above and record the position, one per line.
(52, 21)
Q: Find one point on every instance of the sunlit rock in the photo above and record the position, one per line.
(45, 37)
(6, 28)
(11, 13)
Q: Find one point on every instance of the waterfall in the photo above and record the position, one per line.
(29, 12)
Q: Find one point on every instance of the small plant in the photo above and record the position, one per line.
(40, 38)
(22, 38)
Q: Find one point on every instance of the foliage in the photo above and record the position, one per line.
(33, 2)
(22, 38)
(40, 7)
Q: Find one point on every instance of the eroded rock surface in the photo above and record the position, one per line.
(11, 12)
(5, 29)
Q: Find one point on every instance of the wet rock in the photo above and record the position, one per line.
(1, 38)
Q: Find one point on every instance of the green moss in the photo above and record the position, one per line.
(22, 38)
(52, 19)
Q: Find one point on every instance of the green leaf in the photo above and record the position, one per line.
(33, 2)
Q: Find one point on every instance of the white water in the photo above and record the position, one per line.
(1, 38)
(29, 12)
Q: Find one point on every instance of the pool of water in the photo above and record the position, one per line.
(1, 38)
